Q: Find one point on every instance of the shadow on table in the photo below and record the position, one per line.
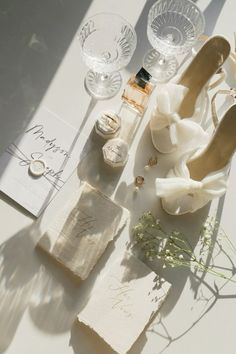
(18, 275)
(83, 341)
(214, 294)
(28, 280)
(94, 170)
(143, 44)
(34, 37)
(56, 297)
(212, 13)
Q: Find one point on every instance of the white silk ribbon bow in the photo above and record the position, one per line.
(169, 99)
(212, 186)
(182, 194)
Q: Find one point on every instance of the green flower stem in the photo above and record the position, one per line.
(174, 249)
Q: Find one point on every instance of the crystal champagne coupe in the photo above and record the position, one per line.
(173, 28)
(107, 43)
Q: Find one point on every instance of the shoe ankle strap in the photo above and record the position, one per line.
(221, 73)
(231, 92)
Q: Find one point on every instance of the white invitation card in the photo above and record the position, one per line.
(124, 302)
(49, 140)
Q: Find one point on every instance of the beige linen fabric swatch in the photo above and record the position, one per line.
(81, 232)
(124, 302)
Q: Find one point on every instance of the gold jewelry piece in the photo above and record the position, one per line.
(138, 182)
(151, 162)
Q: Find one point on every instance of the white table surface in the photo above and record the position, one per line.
(38, 302)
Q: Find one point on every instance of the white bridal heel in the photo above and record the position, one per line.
(200, 176)
(187, 99)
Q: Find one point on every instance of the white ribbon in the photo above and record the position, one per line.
(169, 99)
(212, 186)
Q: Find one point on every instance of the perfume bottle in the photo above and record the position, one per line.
(138, 90)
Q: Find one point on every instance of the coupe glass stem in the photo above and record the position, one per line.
(103, 79)
(103, 85)
(160, 66)
(161, 60)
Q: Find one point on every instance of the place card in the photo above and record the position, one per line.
(82, 230)
(124, 302)
(37, 164)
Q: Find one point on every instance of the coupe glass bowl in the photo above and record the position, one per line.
(107, 43)
(173, 28)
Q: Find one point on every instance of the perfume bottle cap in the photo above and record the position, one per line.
(142, 77)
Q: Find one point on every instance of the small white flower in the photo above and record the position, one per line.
(169, 258)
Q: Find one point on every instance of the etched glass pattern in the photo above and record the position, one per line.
(107, 42)
(173, 28)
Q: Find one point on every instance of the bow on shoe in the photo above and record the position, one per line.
(169, 99)
(212, 186)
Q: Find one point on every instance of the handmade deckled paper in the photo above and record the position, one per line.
(127, 298)
(81, 232)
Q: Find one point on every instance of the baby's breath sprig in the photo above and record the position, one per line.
(173, 248)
